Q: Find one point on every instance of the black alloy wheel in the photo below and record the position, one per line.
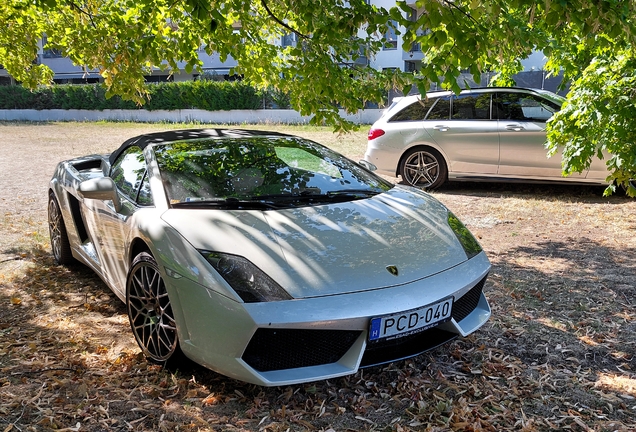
(150, 312)
(60, 245)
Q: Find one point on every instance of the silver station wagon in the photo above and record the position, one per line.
(481, 134)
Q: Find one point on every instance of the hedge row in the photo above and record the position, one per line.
(205, 94)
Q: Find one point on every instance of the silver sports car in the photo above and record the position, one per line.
(266, 257)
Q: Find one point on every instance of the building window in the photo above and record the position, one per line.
(158, 78)
(76, 80)
(412, 66)
(390, 37)
(289, 40)
(49, 52)
(413, 16)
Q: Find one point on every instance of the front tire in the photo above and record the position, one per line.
(60, 245)
(150, 312)
(423, 168)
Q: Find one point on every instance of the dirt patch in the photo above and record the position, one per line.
(558, 352)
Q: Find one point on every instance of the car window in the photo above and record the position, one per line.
(441, 110)
(524, 107)
(128, 173)
(144, 197)
(301, 159)
(415, 112)
(471, 107)
(249, 168)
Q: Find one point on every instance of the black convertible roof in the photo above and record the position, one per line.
(188, 134)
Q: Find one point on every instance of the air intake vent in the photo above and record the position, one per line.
(276, 349)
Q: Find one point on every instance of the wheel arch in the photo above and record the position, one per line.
(422, 146)
(137, 246)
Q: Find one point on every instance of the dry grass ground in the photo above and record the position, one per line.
(558, 353)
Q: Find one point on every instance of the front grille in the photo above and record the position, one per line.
(386, 351)
(276, 349)
(468, 302)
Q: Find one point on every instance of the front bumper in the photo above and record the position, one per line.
(288, 342)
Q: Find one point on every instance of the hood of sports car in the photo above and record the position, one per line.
(391, 239)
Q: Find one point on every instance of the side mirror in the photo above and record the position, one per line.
(103, 188)
(368, 165)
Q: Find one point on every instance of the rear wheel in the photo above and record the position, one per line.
(150, 312)
(424, 168)
(60, 245)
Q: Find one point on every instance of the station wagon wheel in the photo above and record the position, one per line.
(423, 168)
(60, 245)
(150, 311)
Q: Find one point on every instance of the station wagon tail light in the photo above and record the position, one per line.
(375, 133)
(247, 280)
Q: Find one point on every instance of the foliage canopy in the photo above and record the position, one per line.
(590, 41)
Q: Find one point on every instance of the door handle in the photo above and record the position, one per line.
(514, 127)
(441, 128)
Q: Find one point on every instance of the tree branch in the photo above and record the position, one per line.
(454, 6)
(275, 18)
(82, 11)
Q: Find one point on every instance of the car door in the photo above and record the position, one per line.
(465, 132)
(407, 122)
(521, 122)
(112, 227)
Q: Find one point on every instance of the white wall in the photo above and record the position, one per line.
(367, 116)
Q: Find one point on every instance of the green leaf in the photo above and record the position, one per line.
(591, 43)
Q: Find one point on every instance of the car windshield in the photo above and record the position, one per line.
(260, 172)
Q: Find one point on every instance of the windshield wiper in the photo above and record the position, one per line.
(277, 201)
(253, 203)
(354, 193)
(318, 197)
(309, 194)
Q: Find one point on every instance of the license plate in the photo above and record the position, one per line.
(414, 321)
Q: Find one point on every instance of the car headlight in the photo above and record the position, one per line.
(469, 243)
(247, 280)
